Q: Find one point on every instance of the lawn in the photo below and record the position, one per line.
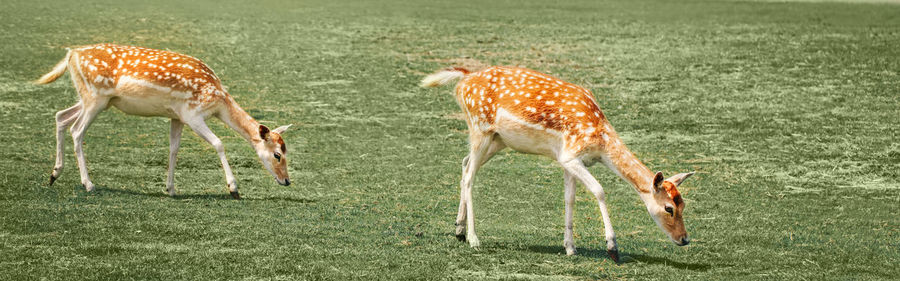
(788, 111)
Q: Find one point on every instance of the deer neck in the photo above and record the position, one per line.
(240, 121)
(623, 162)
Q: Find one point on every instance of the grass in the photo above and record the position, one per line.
(788, 110)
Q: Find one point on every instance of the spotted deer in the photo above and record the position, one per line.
(147, 82)
(536, 113)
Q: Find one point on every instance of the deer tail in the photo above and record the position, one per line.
(57, 71)
(444, 77)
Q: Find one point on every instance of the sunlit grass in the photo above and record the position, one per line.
(788, 111)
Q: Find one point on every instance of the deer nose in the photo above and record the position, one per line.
(685, 240)
(287, 182)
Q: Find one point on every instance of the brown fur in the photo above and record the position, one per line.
(552, 103)
(672, 190)
(535, 97)
(107, 63)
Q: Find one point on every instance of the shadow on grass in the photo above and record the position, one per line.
(657, 260)
(624, 257)
(209, 196)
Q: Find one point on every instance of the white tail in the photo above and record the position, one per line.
(57, 71)
(444, 77)
(147, 82)
(536, 113)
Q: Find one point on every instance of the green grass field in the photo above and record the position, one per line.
(789, 111)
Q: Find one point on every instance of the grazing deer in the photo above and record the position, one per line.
(533, 112)
(147, 82)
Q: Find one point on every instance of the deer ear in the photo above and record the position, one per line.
(280, 130)
(679, 178)
(263, 132)
(657, 181)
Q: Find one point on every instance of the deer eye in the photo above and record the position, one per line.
(670, 210)
(277, 156)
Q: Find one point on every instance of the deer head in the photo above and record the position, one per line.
(666, 207)
(272, 152)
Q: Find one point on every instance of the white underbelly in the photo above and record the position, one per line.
(526, 137)
(143, 106)
(142, 98)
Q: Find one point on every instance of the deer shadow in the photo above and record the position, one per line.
(701, 267)
(206, 196)
(624, 257)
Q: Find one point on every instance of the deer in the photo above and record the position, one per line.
(156, 83)
(535, 113)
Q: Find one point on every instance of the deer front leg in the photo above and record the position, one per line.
(569, 236)
(576, 167)
(204, 132)
(64, 119)
(174, 143)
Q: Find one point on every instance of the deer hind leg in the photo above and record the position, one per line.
(579, 171)
(87, 115)
(174, 143)
(569, 237)
(461, 212)
(495, 146)
(481, 148)
(199, 127)
(64, 119)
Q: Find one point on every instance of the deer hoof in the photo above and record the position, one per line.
(613, 254)
(461, 237)
(474, 243)
(52, 179)
(235, 195)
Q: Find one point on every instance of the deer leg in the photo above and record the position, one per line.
(495, 146)
(569, 236)
(204, 132)
(174, 142)
(577, 169)
(461, 212)
(481, 148)
(64, 119)
(87, 116)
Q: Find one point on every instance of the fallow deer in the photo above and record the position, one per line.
(147, 82)
(536, 113)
